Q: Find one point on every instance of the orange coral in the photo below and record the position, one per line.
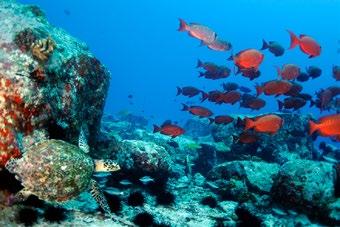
(42, 49)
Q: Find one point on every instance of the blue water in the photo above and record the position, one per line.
(138, 42)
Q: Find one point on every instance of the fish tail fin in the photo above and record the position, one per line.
(280, 104)
(259, 90)
(204, 96)
(240, 123)
(201, 74)
(312, 103)
(199, 63)
(156, 128)
(264, 45)
(313, 127)
(249, 123)
(231, 58)
(211, 120)
(278, 70)
(182, 25)
(185, 107)
(179, 91)
(294, 40)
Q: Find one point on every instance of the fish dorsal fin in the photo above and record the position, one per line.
(167, 122)
(82, 141)
(302, 35)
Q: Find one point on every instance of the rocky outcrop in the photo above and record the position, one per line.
(48, 80)
(143, 158)
(306, 185)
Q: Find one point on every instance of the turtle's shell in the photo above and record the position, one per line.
(54, 170)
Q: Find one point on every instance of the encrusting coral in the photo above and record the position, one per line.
(42, 49)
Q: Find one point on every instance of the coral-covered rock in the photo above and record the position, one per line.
(305, 184)
(143, 157)
(48, 80)
(197, 128)
(258, 176)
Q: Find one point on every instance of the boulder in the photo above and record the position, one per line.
(306, 185)
(143, 158)
(48, 80)
(258, 176)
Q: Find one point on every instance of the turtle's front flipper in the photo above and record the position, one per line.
(98, 195)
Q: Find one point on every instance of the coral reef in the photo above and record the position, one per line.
(47, 78)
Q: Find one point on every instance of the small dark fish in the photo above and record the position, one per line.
(173, 143)
(273, 47)
(212, 96)
(130, 96)
(294, 90)
(249, 73)
(208, 66)
(246, 137)
(303, 77)
(230, 86)
(221, 120)
(197, 111)
(252, 102)
(244, 89)
(314, 72)
(294, 103)
(188, 91)
(67, 12)
(169, 129)
(336, 73)
(220, 73)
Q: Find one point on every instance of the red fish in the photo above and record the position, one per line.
(289, 71)
(229, 97)
(197, 111)
(198, 31)
(274, 87)
(295, 90)
(221, 120)
(307, 44)
(267, 123)
(327, 126)
(169, 129)
(248, 59)
(220, 73)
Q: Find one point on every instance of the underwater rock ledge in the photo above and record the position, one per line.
(51, 84)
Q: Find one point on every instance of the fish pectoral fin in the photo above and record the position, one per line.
(99, 196)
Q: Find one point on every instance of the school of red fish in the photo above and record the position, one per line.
(248, 62)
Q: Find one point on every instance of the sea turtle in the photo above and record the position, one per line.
(57, 171)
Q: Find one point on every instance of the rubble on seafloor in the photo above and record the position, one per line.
(203, 178)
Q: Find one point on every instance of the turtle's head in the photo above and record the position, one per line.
(106, 165)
